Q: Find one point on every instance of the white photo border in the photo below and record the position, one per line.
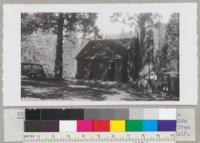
(188, 59)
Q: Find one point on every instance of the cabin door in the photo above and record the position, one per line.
(111, 71)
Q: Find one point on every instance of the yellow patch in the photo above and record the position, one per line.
(117, 125)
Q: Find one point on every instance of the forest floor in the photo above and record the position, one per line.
(85, 90)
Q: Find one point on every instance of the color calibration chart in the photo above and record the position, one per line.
(134, 125)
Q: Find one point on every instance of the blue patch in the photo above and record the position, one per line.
(150, 125)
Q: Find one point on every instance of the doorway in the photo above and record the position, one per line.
(111, 71)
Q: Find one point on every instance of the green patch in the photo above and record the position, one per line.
(134, 125)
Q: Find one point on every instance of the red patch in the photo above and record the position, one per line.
(101, 126)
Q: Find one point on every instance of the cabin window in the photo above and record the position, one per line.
(37, 67)
(26, 67)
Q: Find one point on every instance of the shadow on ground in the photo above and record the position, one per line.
(62, 90)
(83, 90)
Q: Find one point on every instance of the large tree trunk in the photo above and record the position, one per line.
(137, 59)
(59, 48)
(141, 42)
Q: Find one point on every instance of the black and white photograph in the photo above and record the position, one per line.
(138, 53)
(100, 56)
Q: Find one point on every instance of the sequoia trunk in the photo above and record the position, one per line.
(59, 48)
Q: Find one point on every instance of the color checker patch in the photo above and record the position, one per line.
(167, 125)
(84, 125)
(68, 126)
(117, 125)
(101, 125)
(150, 125)
(134, 125)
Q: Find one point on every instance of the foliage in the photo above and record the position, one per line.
(158, 42)
(40, 48)
(172, 37)
(61, 24)
(47, 22)
(142, 24)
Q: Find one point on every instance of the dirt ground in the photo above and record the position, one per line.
(85, 90)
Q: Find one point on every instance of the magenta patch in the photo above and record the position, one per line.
(84, 125)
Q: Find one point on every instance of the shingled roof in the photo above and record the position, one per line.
(106, 49)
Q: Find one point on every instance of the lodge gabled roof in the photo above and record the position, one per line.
(106, 49)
